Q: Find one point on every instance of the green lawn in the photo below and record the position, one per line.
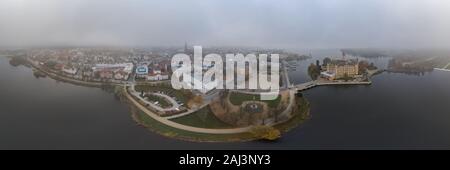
(162, 101)
(300, 115)
(203, 118)
(239, 98)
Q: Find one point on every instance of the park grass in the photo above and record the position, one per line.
(204, 118)
(300, 115)
(155, 126)
(162, 101)
(239, 98)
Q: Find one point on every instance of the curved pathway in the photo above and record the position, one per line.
(173, 103)
(445, 68)
(173, 124)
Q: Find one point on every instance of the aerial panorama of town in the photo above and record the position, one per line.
(245, 77)
(141, 79)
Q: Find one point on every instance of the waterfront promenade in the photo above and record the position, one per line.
(445, 68)
(167, 120)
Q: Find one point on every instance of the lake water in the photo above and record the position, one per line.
(397, 111)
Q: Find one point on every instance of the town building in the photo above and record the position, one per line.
(157, 77)
(119, 71)
(158, 71)
(142, 71)
(105, 74)
(69, 70)
(338, 69)
(120, 75)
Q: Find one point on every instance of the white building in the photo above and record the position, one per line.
(328, 75)
(157, 77)
(70, 70)
(127, 67)
(142, 71)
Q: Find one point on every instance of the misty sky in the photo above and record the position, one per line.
(271, 23)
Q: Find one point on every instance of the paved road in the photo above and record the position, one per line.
(315, 83)
(441, 69)
(287, 111)
(187, 112)
(446, 66)
(287, 82)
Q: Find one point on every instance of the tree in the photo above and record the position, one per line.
(318, 65)
(346, 77)
(313, 71)
(50, 64)
(223, 95)
(195, 101)
(326, 61)
(362, 66)
(198, 99)
(265, 132)
(372, 67)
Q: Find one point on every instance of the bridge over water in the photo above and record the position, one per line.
(315, 83)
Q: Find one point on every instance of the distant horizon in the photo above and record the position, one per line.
(308, 24)
(228, 46)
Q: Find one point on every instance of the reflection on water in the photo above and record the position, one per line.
(396, 111)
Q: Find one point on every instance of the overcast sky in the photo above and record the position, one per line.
(271, 23)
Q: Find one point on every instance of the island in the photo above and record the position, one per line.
(415, 62)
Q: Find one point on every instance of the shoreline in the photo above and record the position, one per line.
(247, 136)
(58, 77)
(241, 131)
(137, 105)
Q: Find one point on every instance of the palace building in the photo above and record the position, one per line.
(337, 69)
